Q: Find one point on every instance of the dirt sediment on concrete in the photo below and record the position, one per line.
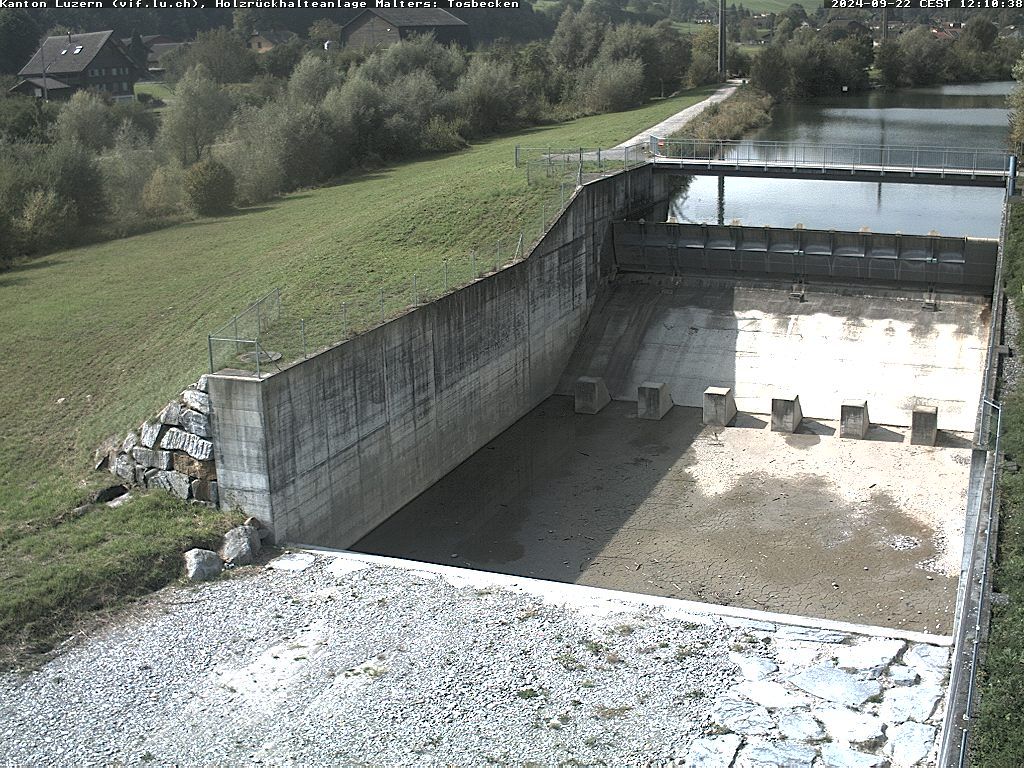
(863, 531)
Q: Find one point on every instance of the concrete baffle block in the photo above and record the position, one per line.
(653, 400)
(853, 419)
(924, 425)
(591, 394)
(719, 406)
(786, 414)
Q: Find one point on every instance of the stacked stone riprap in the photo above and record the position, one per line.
(173, 451)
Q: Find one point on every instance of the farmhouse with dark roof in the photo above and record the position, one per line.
(381, 27)
(68, 63)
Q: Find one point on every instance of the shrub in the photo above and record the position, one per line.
(488, 97)
(45, 221)
(164, 193)
(443, 135)
(210, 188)
(611, 86)
(87, 119)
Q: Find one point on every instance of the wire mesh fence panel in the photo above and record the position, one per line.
(267, 336)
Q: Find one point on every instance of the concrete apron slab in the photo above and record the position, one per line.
(596, 600)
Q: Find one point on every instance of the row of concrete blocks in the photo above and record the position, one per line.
(653, 401)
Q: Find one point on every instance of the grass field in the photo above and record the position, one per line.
(98, 338)
(156, 90)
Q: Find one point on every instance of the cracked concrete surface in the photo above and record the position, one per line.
(810, 524)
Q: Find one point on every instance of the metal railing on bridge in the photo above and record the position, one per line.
(826, 157)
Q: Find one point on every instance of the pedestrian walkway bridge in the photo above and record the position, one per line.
(834, 162)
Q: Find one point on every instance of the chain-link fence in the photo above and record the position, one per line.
(544, 165)
(268, 335)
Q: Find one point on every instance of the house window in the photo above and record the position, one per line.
(259, 44)
(64, 51)
(78, 50)
(124, 87)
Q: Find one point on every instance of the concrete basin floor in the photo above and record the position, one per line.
(865, 531)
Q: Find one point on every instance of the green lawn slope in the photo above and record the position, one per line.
(96, 339)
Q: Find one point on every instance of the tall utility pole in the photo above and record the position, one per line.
(885, 23)
(721, 40)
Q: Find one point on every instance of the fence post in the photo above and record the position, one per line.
(497, 254)
(259, 325)
(382, 304)
(415, 296)
(472, 260)
(517, 155)
(256, 344)
(599, 166)
(519, 248)
(234, 321)
(344, 319)
(209, 347)
(302, 328)
(446, 275)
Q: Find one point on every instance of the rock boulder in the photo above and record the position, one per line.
(193, 445)
(202, 564)
(196, 400)
(241, 545)
(195, 423)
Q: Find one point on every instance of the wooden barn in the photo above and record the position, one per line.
(381, 27)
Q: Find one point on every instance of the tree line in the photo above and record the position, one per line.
(234, 135)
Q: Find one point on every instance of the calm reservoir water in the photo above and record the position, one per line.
(970, 116)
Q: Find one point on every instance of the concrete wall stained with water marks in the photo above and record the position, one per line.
(329, 448)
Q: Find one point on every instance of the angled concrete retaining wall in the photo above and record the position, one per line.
(329, 448)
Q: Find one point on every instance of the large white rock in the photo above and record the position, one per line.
(769, 694)
(172, 481)
(835, 685)
(150, 433)
(130, 441)
(752, 667)
(909, 744)
(835, 756)
(713, 751)
(196, 400)
(776, 755)
(916, 702)
(901, 674)
(293, 561)
(195, 423)
(800, 726)
(871, 656)
(848, 727)
(169, 415)
(241, 545)
(742, 717)
(124, 467)
(202, 564)
(809, 634)
(929, 661)
(150, 458)
(193, 445)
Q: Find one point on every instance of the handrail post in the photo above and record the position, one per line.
(209, 347)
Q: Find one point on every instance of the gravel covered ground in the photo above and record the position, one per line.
(350, 663)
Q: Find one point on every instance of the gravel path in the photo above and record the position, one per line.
(353, 664)
(672, 124)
